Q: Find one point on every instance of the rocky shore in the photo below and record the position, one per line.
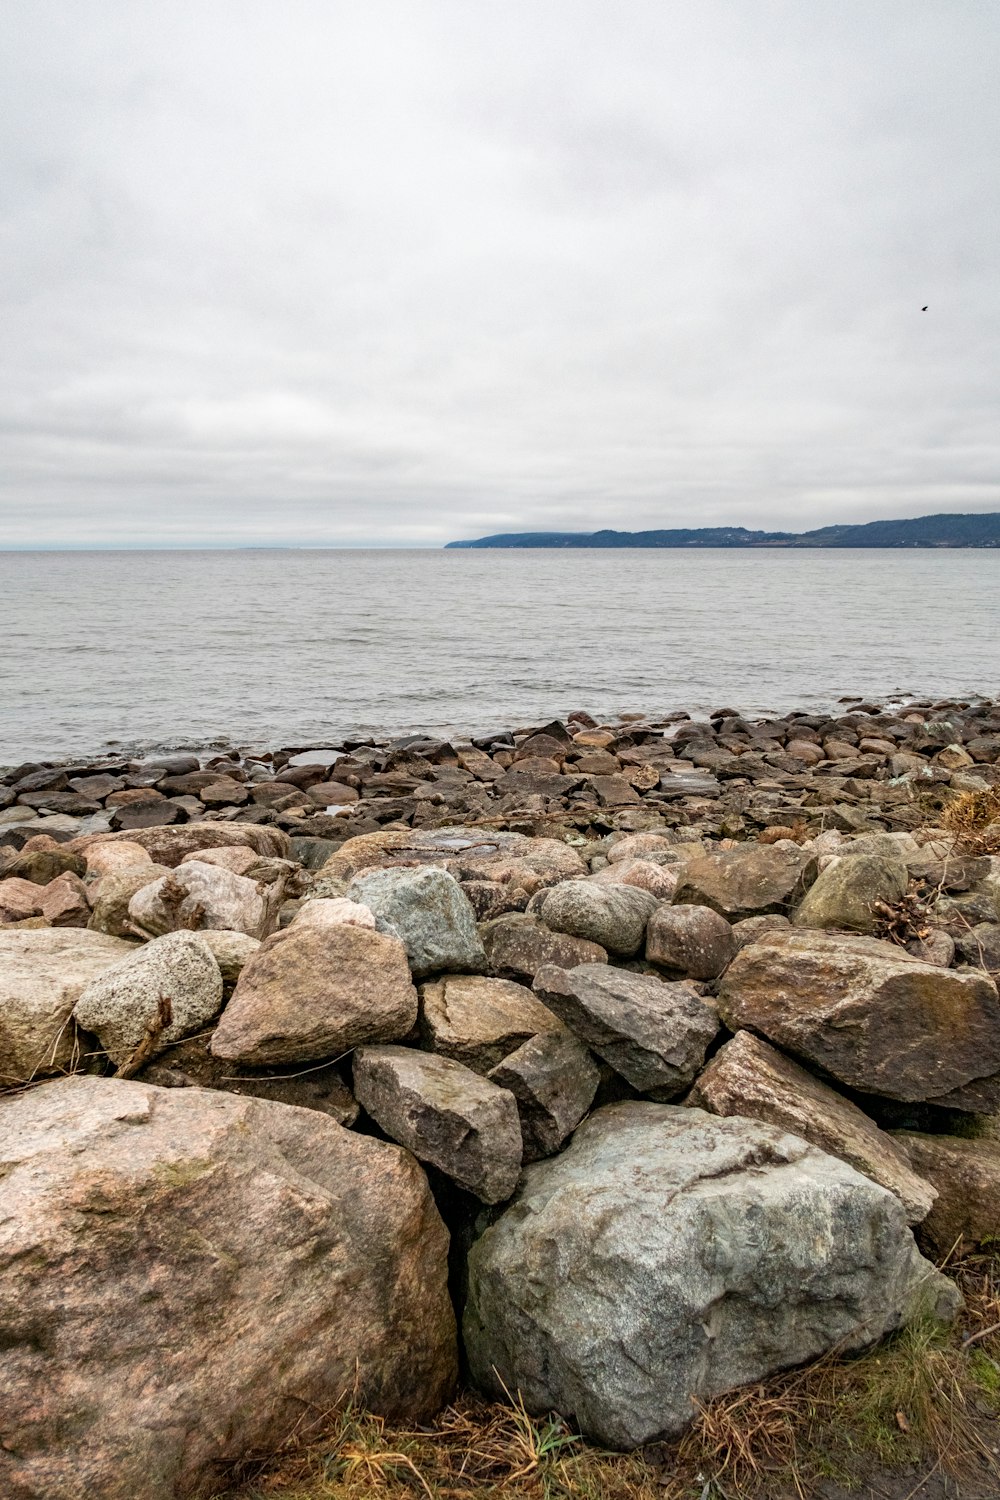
(617, 1065)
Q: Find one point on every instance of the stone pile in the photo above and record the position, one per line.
(614, 1005)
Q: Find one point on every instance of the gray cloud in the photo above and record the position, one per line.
(421, 269)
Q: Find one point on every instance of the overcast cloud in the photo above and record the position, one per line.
(410, 270)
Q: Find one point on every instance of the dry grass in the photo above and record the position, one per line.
(973, 818)
(928, 1397)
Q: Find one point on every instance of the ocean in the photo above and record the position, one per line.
(134, 650)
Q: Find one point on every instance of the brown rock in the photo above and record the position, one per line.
(478, 1021)
(966, 1176)
(691, 940)
(238, 1262)
(866, 1012)
(747, 881)
(168, 845)
(19, 899)
(64, 902)
(749, 1078)
(518, 945)
(316, 992)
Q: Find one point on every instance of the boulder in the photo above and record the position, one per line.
(866, 1012)
(196, 895)
(64, 901)
(41, 865)
(613, 916)
(845, 894)
(751, 928)
(554, 1080)
(42, 975)
(691, 940)
(120, 1005)
(659, 880)
(445, 1114)
(966, 1176)
(479, 1021)
(328, 911)
(19, 899)
(748, 881)
(167, 845)
(184, 1272)
(518, 945)
(652, 1033)
(316, 992)
(469, 853)
(111, 895)
(747, 1077)
(668, 1256)
(429, 911)
(232, 951)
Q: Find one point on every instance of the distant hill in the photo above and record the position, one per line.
(924, 531)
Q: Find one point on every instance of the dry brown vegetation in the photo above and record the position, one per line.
(974, 821)
(925, 1403)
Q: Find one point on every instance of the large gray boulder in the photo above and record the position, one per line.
(120, 1005)
(613, 916)
(183, 1272)
(431, 914)
(747, 1077)
(478, 1021)
(652, 1033)
(866, 1012)
(668, 1256)
(43, 972)
(747, 881)
(316, 992)
(445, 1114)
(847, 893)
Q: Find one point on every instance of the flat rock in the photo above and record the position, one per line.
(316, 992)
(668, 1256)
(468, 853)
(479, 1021)
(691, 940)
(866, 1012)
(652, 1033)
(749, 1078)
(846, 894)
(42, 975)
(748, 881)
(518, 945)
(431, 914)
(197, 895)
(168, 845)
(613, 916)
(239, 1262)
(554, 1080)
(119, 1005)
(445, 1114)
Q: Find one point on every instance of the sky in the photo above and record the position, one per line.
(407, 271)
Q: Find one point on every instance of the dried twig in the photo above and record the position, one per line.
(147, 1048)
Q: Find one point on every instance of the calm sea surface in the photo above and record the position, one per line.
(141, 649)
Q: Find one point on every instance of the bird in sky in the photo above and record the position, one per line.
(924, 309)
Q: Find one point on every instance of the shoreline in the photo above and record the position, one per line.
(660, 1016)
(866, 765)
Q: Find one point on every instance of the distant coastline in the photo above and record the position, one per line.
(980, 531)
